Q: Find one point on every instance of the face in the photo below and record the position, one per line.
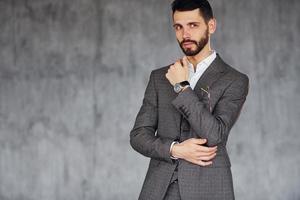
(192, 32)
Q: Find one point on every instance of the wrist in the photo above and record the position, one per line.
(178, 87)
(171, 147)
(175, 150)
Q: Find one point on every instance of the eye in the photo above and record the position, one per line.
(177, 27)
(192, 25)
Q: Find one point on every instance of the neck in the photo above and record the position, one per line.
(204, 53)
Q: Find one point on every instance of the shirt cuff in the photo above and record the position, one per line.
(172, 157)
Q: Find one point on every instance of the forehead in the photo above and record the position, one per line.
(187, 16)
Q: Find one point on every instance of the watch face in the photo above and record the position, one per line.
(177, 87)
(184, 83)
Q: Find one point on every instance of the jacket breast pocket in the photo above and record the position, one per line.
(210, 98)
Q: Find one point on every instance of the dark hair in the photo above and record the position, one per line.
(188, 5)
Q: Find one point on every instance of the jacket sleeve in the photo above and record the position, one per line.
(142, 137)
(213, 126)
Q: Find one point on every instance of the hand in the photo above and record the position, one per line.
(178, 72)
(192, 150)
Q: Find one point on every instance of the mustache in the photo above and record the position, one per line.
(183, 41)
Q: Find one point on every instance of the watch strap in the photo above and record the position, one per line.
(184, 83)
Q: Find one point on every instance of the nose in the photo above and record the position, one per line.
(186, 33)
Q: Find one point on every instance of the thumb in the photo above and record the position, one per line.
(185, 62)
(185, 66)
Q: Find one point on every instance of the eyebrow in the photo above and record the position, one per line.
(177, 24)
(193, 23)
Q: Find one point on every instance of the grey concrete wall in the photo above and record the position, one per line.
(72, 78)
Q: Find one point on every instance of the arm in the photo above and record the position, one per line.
(142, 136)
(213, 126)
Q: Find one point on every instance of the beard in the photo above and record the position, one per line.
(199, 45)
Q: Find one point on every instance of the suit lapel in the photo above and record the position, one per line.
(210, 75)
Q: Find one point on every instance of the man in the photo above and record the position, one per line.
(188, 110)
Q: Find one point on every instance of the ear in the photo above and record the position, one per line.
(212, 25)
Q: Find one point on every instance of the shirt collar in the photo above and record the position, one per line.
(207, 61)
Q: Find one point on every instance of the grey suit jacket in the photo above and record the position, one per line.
(166, 116)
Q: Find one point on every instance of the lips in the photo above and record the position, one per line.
(188, 44)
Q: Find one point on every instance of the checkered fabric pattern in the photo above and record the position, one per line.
(166, 116)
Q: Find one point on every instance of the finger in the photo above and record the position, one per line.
(203, 163)
(201, 153)
(206, 149)
(204, 154)
(181, 61)
(199, 141)
(206, 158)
(178, 64)
(214, 152)
(167, 76)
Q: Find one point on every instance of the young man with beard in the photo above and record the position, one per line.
(188, 110)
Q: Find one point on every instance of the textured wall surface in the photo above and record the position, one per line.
(72, 78)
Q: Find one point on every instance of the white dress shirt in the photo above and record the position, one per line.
(200, 68)
(194, 76)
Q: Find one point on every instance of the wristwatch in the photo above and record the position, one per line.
(179, 86)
